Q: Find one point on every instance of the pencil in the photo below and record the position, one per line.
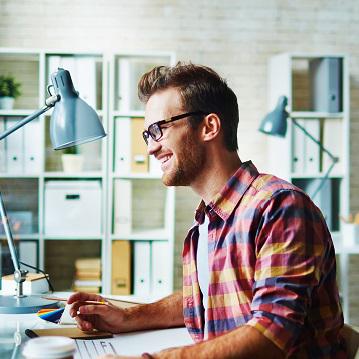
(90, 301)
(65, 300)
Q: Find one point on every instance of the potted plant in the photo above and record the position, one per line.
(72, 161)
(9, 90)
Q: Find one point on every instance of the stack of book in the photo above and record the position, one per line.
(87, 275)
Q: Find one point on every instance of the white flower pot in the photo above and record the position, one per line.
(72, 163)
(6, 103)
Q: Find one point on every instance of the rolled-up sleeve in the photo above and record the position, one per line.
(291, 244)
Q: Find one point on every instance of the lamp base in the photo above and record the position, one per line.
(10, 304)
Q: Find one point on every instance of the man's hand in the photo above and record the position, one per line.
(165, 313)
(106, 317)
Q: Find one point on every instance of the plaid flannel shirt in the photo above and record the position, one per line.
(272, 266)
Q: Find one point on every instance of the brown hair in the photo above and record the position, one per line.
(201, 89)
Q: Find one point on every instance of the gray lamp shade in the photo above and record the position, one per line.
(73, 121)
(275, 123)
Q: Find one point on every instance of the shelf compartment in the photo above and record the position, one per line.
(91, 154)
(130, 151)
(27, 250)
(139, 205)
(317, 84)
(24, 67)
(128, 71)
(86, 74)
(20, 198)
(307, 156)
(61, 257)
(328, 199)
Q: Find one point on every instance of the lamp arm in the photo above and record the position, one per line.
(8, 234)
(333, 158)
(20, 275)
(323, 179)
(50, 102)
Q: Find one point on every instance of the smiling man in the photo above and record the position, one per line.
(259, 276)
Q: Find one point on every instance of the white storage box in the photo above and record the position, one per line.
(73, 208)
(35, 283)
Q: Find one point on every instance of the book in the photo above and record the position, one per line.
(87, 283)
(88, 275)
(88, 263)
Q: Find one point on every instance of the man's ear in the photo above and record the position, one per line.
(211, 127)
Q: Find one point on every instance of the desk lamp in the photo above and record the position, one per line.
(275, 124)
(73, 122)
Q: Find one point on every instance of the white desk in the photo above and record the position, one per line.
(12, 328)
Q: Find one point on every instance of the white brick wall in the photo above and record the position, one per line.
(235, 37)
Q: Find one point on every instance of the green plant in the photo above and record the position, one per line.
(9, 87)
(70, 150)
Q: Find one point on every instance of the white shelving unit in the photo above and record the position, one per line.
(293, 75)
(148, 205)
(109, 83)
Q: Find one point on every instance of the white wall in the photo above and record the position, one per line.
(236, 37)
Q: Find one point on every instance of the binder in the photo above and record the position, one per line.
(333, 142)
(139, 157)
(142, 268)
(32, 147)
(326, 84)
(160, 268)
(2, 147)
(53, 63)
(123, 146)
(312, 150)
(137, 68)
(68, 63)
(85, 75)
(122, 207)
(14, 147)
(124, 85)
(298, 148)
(121, 268)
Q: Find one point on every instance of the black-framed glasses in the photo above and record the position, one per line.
(155, 131)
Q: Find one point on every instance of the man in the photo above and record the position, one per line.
(259, 276)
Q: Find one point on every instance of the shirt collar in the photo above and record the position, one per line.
(227, 199)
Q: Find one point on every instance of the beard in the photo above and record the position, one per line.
(187, 164)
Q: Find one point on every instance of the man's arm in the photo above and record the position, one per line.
(241, 343)
(165, 313)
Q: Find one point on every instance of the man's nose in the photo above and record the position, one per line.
(152, 146)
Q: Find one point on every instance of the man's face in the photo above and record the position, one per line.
(180, 152)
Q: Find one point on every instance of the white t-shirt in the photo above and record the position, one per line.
(203, 268)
